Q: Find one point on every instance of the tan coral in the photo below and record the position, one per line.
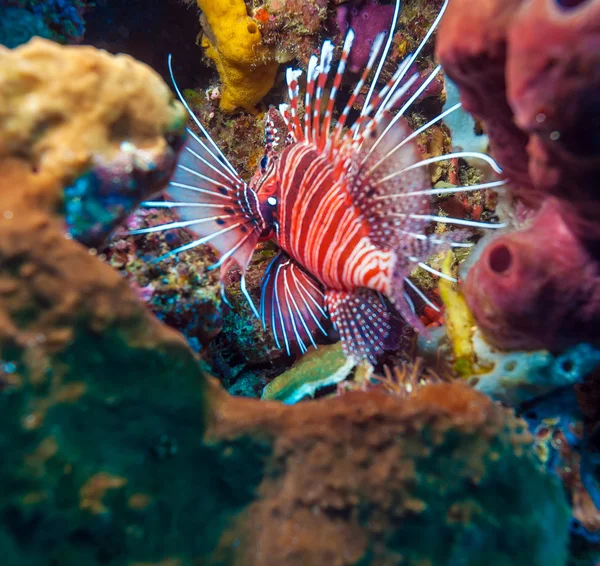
(66, 113)
(57, 111)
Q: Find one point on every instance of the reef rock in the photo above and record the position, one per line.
(352, 481)
(116, 449)
(104, 132)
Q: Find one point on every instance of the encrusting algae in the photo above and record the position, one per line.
(232, 39)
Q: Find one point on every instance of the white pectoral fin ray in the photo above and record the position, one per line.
(292, 304)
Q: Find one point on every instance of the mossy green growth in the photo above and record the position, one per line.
(316, 369)
(509, 512)
(104, 462)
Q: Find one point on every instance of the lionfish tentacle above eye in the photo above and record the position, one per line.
(292, 304)
(292, 77)
(211, 200)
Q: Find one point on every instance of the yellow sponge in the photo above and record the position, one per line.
(246, 67)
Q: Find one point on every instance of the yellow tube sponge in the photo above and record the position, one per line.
(233, 41)
(459, 321)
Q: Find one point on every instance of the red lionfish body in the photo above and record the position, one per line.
(347, 208)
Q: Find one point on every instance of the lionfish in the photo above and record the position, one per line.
(347, 206)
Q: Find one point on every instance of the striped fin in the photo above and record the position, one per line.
(362, 320)
(210, 200)
(292, 304)
(218, 207)
(370, 190)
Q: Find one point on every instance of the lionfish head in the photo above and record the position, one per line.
(265, 181)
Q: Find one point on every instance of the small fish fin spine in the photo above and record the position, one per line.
(292, 304)
(215, 204)
(311, 75)
(337, 81)
(362, 320)
(336, 136)
(292, 77)
(399, 295)
(418, 247)
(323, 72)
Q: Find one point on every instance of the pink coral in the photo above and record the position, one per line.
(367, 19)
(553, 80)
(538, 288)
(471, 45)
(531, 72)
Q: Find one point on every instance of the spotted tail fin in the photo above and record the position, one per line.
(292, 304)
(362, 320)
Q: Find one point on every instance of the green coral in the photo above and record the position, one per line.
(325, 366)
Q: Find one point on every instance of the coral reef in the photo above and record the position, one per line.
(59, 20)
(103, 130)
(565, 448)
(116, 449)
(315, 370)
(367, 19)
(459, 322)
(366, 495)
(181, 292)
(233, 41)
(516, 377)
(404, 379)
(186, 295)
(292, 28)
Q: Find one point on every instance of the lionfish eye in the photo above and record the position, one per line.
(263, 162)
(272, 201)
